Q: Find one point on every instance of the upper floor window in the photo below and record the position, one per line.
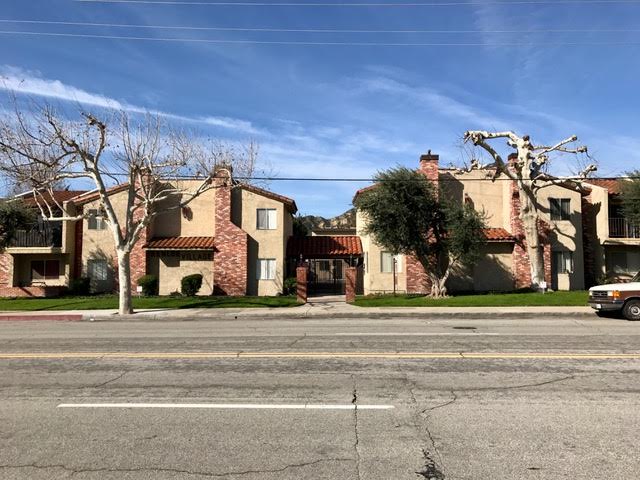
(387, 260)
(560, 208)
(267, 219)
(96, 220)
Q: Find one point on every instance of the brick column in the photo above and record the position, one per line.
(6, 271)
(301, 283)
(230, 257)
(351, 275)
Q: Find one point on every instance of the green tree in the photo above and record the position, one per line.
(405, 216)
(14, 216)
(631, 198)
(300, 227)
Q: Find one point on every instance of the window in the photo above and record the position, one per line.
(267, 219)
(266, 269)
(386, 262)
(96, 220)
(45, 270)
(98, 270)
(560, 208)
(623, 262)
(563, 261)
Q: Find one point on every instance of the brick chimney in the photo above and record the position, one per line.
(230, 257)
(429, 166)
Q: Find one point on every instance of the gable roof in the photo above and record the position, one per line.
(92, 195)
(324, 246)
(611, 184)
(289, 202)
(59, 196)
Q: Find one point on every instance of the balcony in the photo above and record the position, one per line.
(40, 236)
(621, 228)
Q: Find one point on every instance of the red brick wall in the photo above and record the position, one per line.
(77, 253)
(302, 274)
(521, 264)
(417, 280)
(31, 291)
(589, 240)
(230, 257)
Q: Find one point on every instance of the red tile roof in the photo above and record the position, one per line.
(497, 235)
(59, 196)
(94, 195)
(289, 202)
(613, 185)
(181, 243)
(324, 246)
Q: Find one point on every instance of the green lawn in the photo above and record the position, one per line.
(529, 299)
(111, 301)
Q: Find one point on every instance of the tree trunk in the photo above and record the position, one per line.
(438, 288)
(529, 217)
(124, 283)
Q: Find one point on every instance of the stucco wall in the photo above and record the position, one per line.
(262, 243)
(171, 267)
(196, 220)
(374, 279)
(22, 269)
(492, 273)
(486, 196)
(98, 244)
(566, 235)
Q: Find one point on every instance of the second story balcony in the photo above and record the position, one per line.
(621, 228)
(44, 235)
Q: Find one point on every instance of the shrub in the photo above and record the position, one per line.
(191, 284)
(80, 286)
(149, 284)
(289, 286)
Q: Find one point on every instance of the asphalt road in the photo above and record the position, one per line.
(385, 399)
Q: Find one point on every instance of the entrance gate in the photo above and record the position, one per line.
(326, 276)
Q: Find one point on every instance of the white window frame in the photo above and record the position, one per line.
(96, 221)
(271, 219)
(266, 269)
(564, 261)
(91, 269)
(398, 259)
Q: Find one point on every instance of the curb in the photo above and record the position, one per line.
(144, 317)
(43, 316)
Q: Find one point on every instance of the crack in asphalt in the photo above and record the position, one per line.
(356, 444)
(117, 377)
(297, 340)
(76, 471)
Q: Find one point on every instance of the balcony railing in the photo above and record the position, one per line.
(49, 235)
(621, 228)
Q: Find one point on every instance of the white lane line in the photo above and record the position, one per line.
(230, 406)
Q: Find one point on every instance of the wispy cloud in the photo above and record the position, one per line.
(32, 83)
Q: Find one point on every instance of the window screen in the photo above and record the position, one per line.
(97, 270)
(267, 219)
(266, 269)
(563, 261)
(386, 262)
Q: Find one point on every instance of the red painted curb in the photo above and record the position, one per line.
(44, 316)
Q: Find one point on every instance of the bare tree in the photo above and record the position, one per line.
(528, 171)
(145, 156)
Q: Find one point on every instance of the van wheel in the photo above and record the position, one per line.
(631, 310)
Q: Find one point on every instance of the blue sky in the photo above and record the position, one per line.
(347, 111)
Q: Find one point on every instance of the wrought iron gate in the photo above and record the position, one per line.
(326, 276)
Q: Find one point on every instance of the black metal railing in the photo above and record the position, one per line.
(44, 235)
(621, 228)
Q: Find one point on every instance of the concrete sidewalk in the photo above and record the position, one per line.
(325, 308)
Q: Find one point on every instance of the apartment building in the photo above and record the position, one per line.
(235, 236)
